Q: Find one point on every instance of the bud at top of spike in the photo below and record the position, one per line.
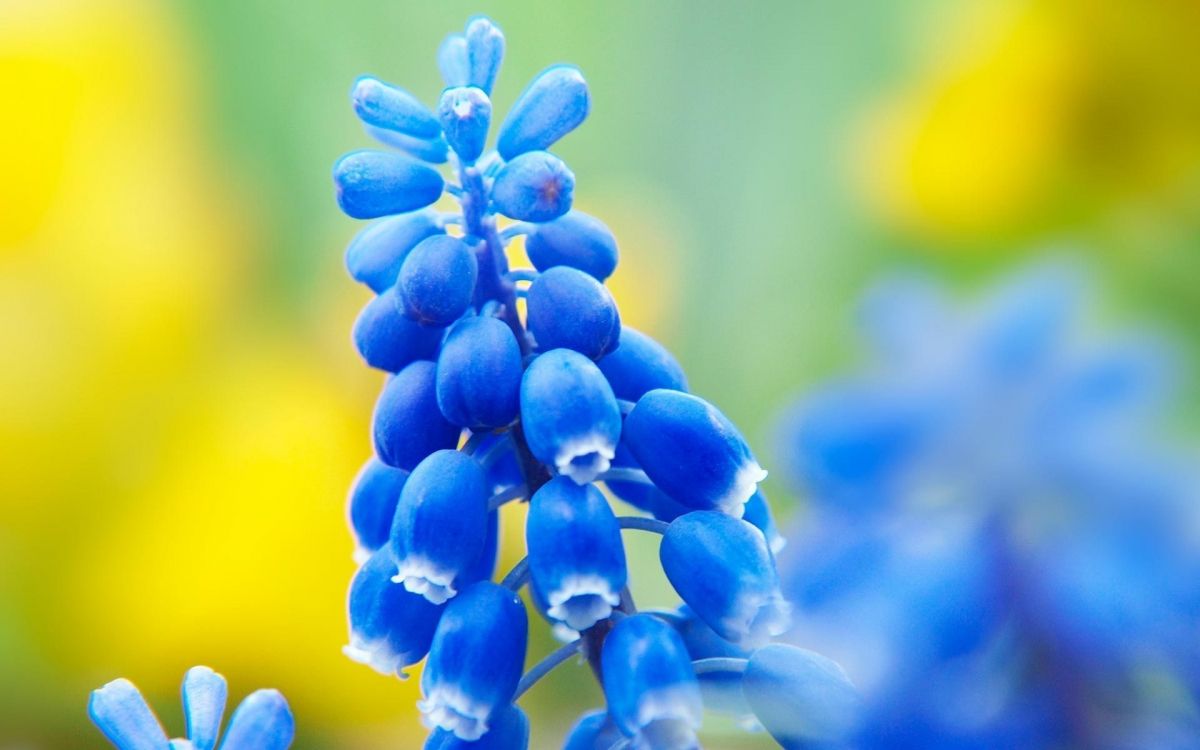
(553, 104)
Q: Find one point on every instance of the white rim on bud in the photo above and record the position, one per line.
(584, 458)
(377, 654)
(450, 709)
(744, 485)
(582, 601)
(669, 712)
(757, 618)
(420, 576)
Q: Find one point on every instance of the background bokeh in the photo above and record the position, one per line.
(181, 410)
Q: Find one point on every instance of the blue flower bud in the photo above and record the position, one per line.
(262, 721)
(371, 184)
(574, 239)
(593, 730)
(641, 364)
(758, 514)
(691, 451)
(373, 503)
(204, 694)
(485, 52)
(535, 186)
(803, 699)
(553, 104)
(452, 61)
(434, 151)
(437, 280)
(465, 113)
(440, 525)
(475, 662)
(567, 309)
(375, 254)
(389, 340)
(479, 374)
(509, 731)
(390, 628)
(392, 108)
(407, 425)
(576, 557)
(484, 565)
(569, 414)
(642, 495)
(652, 693)
(722, 568)
(121, 714)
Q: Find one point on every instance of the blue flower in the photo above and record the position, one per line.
(263, 720)
(722, 568)
(999, 531)
(692, 452)
(575, 553)
(653, 696)
(803, 699)
(493, 401)
(475, 661)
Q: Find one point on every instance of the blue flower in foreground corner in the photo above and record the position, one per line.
(1003, 549)
(490, 402)
(263, 720)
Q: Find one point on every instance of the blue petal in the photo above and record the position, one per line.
(639, 365)
(553, 104)
(452, 60)
(576, 557)
(465, 113)
(437, 280)
(536, 186)
(385, 106)
(509, 731)
(373, 503)
(568, 309)
(407, 425)
(802, 698)
(574, 239)
(593, 730)
(390, 628)
(121, 714)
(485, 52)
(388, 339)
(652, 692)
(722, 568)
(204, 694)
(441, 524)
(435, 151)
(263, 721)
(569, 414)
(479, 374)
(691, 451)
(370, 184)
(475, 662)
(375, 254)
(484, 565)
(758, 513)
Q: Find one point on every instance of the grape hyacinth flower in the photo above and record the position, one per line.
(1002, 548)
(262, 721)
(490, 402)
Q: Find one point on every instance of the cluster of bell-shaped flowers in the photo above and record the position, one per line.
(491, 400)
(1003, 543)
(262, 721)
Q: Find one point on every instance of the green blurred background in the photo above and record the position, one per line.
(181, 410)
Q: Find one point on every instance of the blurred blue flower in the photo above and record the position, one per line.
(1002, 549)
(263, 720)
(488, 402)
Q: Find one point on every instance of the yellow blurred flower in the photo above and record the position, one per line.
(1033, 114)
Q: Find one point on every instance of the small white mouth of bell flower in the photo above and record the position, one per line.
(744, 485)
(451, 710)
(668, 717)
(757, 618)
(422, 577)
(585, 458)
(582, 601)
(376, 654)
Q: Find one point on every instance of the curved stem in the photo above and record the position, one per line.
(621, 474)
(521, 274)
(495, 450)
(627, 605)
(515, 230)
(518, 576)
(515, 492)
(652, 525)
(720, 664)
(545, 666)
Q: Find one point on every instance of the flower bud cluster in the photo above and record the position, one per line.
(488, 400)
